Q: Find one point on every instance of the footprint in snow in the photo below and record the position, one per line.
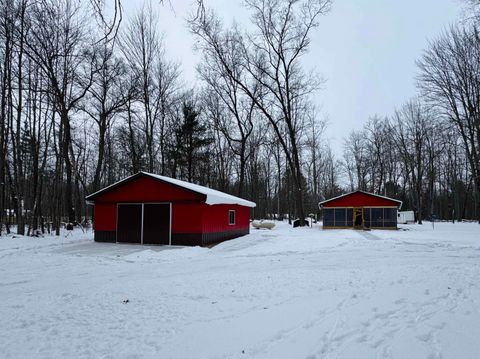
(362, 339)
(425, 337)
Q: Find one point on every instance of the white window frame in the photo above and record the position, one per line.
(234, 217)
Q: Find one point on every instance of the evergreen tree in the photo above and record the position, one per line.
(191, 140)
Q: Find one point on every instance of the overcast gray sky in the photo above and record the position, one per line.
(365, 49)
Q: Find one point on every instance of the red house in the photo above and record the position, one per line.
(360, 210)
(150, 209)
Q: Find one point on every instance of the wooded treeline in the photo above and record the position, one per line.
(427, 153)
(84, 104)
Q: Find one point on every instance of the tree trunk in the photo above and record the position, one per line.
(66, 143)
(101, 153)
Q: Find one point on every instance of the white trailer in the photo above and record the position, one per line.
(406, 217)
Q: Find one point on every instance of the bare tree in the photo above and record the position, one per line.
(413, 130)
(143, 49)
(378, 131)
(358, 158)
(272, 75)
(316, 148)
(223, 103)
(7, 35)
(141, 44)
(58, 43)
(110, 91)
(110, 24)
(450, 80)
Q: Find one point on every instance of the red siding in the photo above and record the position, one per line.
(105, 217)
(216, 218)
(190, 214)
(187, 218)
(146, 189)
(359, 199)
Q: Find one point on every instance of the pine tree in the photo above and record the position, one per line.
(191, 138)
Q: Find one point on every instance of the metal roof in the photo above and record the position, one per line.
(359, 191)
(212, 196)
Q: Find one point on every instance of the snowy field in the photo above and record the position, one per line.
(285, 293)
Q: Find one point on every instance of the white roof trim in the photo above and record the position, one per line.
(367, 193)
(213, 196)
(105, 189)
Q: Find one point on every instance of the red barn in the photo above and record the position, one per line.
(150, 209)
(360, 210)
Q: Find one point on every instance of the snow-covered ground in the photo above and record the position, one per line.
(284, 293)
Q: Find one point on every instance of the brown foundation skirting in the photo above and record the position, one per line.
(186, 239)
(183, 239)
(217, 237)
(360, 229)
(204, 239)
(105, 236)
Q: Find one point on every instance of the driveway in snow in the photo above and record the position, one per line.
(285, 293)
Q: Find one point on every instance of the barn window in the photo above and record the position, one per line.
(340, 217)
(349, 217)
(231, 217)
(389, 217)
(377, 217)
(367, 222)
(328, 217)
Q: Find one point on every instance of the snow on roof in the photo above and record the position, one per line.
(213, 196)
(367, 193)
